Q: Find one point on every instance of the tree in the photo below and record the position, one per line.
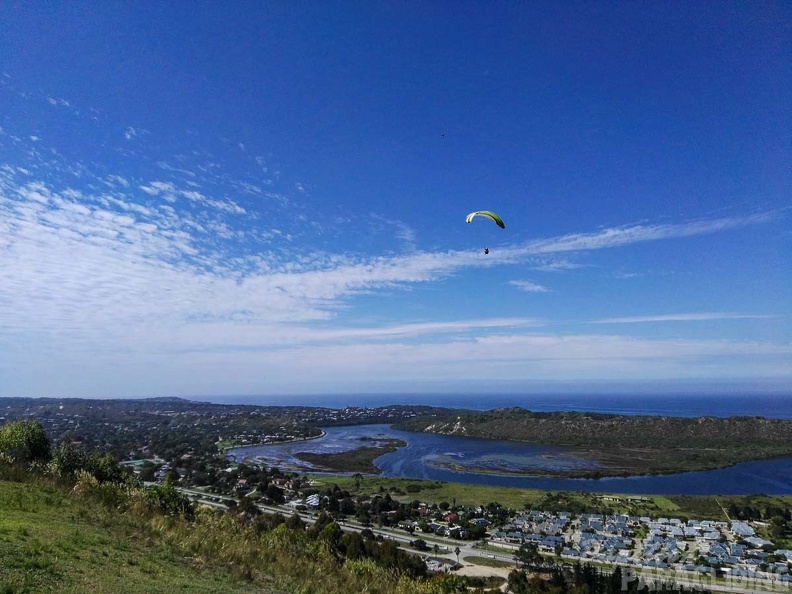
(419, 544)
(275, 493)
(168, 500)
(346, 506)
(353, 545)
(246, 511)
(68, 460)
(527, 555)
(25, 441)
(294, 522)
(518, 582)
(331, 535)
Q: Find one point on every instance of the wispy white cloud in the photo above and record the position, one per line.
(632, 234)
(392, 227)
(116, 180)
(153, 262)
(528, 286)
(107, 271)
(682, 317)
(555, 265)
(417, 329)
(58, 101)
(169, 192)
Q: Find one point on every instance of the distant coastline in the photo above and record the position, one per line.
(768, 404)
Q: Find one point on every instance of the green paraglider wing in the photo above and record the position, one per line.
(486, 213)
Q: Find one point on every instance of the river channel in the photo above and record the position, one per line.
(428, 456)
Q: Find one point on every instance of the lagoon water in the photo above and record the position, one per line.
(426, 456)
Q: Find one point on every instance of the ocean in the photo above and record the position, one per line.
(680, 405)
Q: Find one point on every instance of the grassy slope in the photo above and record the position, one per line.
(54, 541)
(51, 542)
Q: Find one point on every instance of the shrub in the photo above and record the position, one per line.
(25, 441)
(166, 499)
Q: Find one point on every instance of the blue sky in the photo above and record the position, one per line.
(203, 199)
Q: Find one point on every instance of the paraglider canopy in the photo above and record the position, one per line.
(486, 213)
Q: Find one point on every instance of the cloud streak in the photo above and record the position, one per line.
(682, 317)
(528, 286)
(633, 234)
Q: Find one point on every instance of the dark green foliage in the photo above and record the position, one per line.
(68, 460)
(167, 500)
(353, 545)
(25, 441)
(587, 579)
(275, 493)
(759, 507)
(519, 583)
(528, 554)
(388, 555)
(295, 523)
(419, 544)
(268, 522)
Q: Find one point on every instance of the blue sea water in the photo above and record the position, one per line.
(681, 405)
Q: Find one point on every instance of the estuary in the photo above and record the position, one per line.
(453, 459)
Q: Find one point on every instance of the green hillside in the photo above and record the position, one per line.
(71, 521)
(56, 539)
(51, 541)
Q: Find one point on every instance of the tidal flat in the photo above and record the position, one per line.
(356, 460)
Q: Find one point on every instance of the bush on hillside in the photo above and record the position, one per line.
(24, 441)
(69, 460)
(168, 500)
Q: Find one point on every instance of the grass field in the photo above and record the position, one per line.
(50, 542)
(54, 540)
(430, 491)
(486, 561)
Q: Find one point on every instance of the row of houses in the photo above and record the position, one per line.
(694, 545)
